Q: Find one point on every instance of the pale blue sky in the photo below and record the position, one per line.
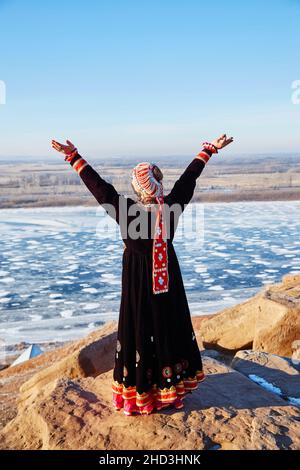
(149, 78)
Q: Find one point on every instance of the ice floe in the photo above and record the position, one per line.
(55, 261)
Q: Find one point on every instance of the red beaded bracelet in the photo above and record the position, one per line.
(71, 155)
(211, 147)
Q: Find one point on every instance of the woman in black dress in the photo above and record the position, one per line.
(157, 359)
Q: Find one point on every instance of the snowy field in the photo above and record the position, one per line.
(60, 267)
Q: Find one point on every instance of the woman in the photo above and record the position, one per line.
(157, 359)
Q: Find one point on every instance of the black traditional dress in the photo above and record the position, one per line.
(157, 358)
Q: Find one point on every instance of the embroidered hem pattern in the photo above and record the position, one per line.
(133, 402)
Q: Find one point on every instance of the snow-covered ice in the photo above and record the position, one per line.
(60, 267)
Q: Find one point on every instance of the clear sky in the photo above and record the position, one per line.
(148, 77)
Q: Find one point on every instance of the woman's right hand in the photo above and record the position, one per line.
(63, 148)
(222, 141)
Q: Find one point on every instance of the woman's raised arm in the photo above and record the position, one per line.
(103, 191)
(183, 189)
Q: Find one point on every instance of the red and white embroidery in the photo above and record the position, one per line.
(143, 177)
(79, 165)
(210, 147)
(208, 150)
(69, 157)
(203, 156)
(160, 276)
(167, 372)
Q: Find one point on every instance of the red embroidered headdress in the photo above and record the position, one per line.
(144, 179)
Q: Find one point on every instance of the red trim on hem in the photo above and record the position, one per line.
(132, 402)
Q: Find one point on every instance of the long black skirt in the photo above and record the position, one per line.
(157, 358)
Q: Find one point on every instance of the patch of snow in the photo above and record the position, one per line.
(7, 280)
(266, 385)
(90, 290)
(273, 389)
(66, 313)
(294, 401)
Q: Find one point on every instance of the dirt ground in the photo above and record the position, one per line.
(38, 184)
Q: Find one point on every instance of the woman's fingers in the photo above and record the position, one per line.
(228, 141)
(57, 146)
(62, 147)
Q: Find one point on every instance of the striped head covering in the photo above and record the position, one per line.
(145, 181)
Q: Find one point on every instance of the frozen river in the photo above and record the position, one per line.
(60, 268)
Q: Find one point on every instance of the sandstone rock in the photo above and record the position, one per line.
(224, 358)
(64, 396)
(280, 374)
(78, 358)
(90, 360)
(291, 278)
(279, 338)
(235, 328)
(296, 350)
(74, 359)
(197, 321)
(270, 321)
(53, 356)
(228, 411)
(287, 292)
